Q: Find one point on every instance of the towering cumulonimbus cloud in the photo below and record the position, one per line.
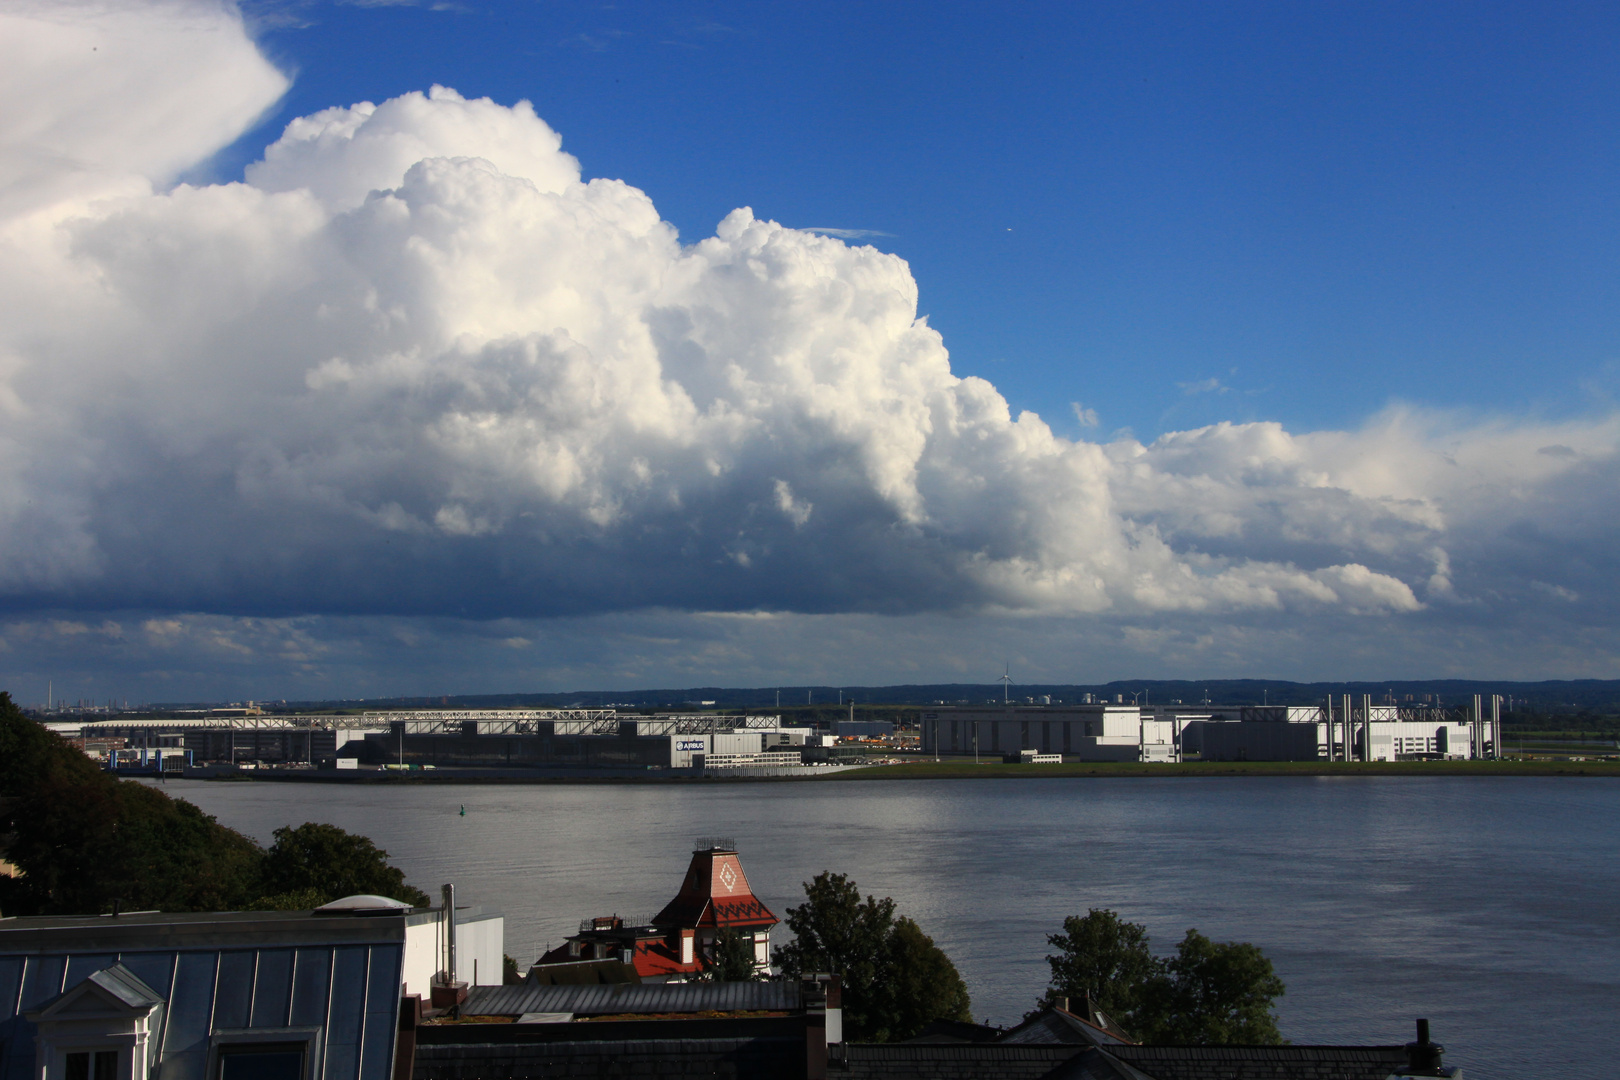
(413, 363)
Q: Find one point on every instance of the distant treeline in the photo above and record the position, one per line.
(1594, 697)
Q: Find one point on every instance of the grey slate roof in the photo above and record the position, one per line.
(742, 1059)
(1125, 1062)
(608, 999)
(1263, 1062)
(1096, 1064)
(1057, 1026)
(936, 1061)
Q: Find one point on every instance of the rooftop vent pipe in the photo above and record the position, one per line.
(1423, 1056)
(450, 936)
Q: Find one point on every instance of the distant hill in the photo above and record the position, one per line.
(1554, 696)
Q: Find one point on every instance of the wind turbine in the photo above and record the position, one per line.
(1006, 682)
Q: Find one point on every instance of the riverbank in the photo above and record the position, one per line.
(953, 770)
(930, 770)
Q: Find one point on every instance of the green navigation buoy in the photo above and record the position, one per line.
(464, 810)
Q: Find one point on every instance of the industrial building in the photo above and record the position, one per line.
(584, 737)
(1078, 732)
(1345, 729)
(239, 736)
(494, 737)
(1339, 729)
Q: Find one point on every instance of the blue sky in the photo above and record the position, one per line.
(306, 398)
(1321, 207)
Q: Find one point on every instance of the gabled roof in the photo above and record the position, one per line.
(1097, 1064)
(1055, 1025)
(956, 1031)
(715, 893)
(115, 987)
(655, 958)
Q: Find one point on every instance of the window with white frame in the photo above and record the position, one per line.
(90, 1065)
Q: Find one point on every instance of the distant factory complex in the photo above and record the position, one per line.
(1342, 729)
(506, 739)
(1346, 729)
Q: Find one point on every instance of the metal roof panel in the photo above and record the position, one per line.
(607, 1000)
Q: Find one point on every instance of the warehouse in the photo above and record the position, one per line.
(494, 737)
(1343, 729)
(239, 738)
(583, 737)
(1078, 732)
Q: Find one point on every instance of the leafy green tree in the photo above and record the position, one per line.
(1105, 957)
(895, 979)
(731, 958)
(1208, 993)
(1214, 993)
(84, 841)
(297, 900)
(317, 860)
(922, 985)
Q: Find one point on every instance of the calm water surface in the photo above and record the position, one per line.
(1491, 906)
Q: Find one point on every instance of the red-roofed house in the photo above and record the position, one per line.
(669, 947)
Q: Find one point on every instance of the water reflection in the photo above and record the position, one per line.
(1379, 900)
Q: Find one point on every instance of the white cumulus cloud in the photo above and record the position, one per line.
(416, 363)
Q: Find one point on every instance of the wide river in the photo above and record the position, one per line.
(1490, 906)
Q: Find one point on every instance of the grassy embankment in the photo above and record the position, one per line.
(950, 770)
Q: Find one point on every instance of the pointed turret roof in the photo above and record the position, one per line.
(715, 893)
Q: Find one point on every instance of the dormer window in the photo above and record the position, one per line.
(263, 1061)
(103, 1028)
(90, 1065)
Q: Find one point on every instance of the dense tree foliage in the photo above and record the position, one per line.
(895, 979)
(1216, 993)
(323, 860)
(84, 842)
(922, 984)
(731, 958)
(1104, 957)
(1208, 993)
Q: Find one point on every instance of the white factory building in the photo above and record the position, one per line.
(1342, 729)
(1078, 732)
(1347, 728)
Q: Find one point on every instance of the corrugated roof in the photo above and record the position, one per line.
(633, 998)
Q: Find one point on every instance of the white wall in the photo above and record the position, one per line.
(483, 940)
(1388, 740)
(682, 747)
(478, 937)
(421, 956)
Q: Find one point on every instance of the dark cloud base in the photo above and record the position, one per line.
(146, 656)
